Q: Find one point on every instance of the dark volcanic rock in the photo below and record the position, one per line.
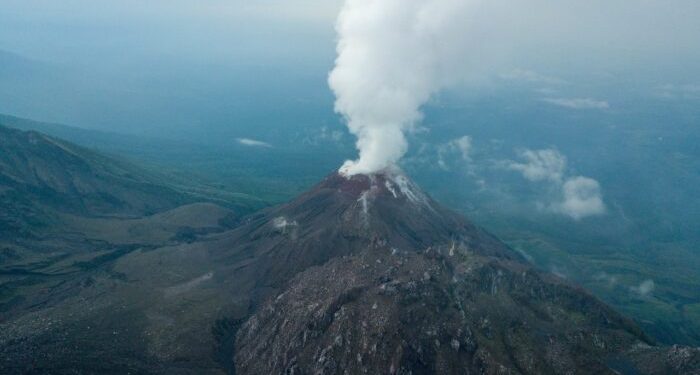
(419, 313)
(341, 217)
(415, 289)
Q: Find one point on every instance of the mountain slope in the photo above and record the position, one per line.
(248, 175)
(66, 177)
(426, 293)
(47, 184)
(366, 274)
(67, 213)
(41, 176)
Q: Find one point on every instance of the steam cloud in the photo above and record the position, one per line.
(392, 56)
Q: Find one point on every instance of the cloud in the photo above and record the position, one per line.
(464, 145)
(461, 146)
(578, 103)
(645, 288)
(252, 142)
(611, 280)
(541, 165)
(578, 196)
(323, 134)
(686, 91)
(529, 76)
(582, 198)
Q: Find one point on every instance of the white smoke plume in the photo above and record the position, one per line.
(392, 56)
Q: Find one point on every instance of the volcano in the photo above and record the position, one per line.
(396, 284)
(344, 216)
(359, 275)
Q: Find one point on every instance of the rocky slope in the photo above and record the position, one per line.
(421, 291)
(358, 275)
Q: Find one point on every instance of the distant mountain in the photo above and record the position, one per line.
(43, 180)
(105, 141)
(124, 170)
(69, 178)
(67, 212)
(14, 66)
(358, 275)
(247, 175)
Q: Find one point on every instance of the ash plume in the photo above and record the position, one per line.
(392, 56)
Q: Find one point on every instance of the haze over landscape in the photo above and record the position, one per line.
(207, 169)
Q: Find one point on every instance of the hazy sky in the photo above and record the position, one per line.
(211, 30)
(127, 52)
(302, 30)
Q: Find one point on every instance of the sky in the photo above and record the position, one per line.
(231, 32)
(137, 66)
(301, 32)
